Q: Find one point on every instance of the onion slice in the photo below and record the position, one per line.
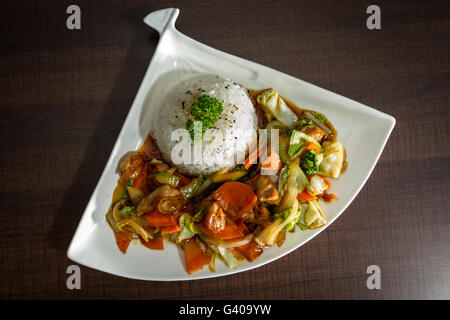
(137, 227)
(231, 243)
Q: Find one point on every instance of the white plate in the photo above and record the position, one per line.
(363, 130)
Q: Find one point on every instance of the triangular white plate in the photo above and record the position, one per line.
(363, 130)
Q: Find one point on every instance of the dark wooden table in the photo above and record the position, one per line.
(65, 94)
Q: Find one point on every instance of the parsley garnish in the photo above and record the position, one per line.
(207, 110)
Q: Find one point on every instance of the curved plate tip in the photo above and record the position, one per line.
(161, 19)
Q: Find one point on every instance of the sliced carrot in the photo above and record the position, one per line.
(305, 196)
(123, 240)
(313, 147)
(253, 153)
(251, 251)
(154, 244)
(242, 226)
(272, 162)
(195, 258)
(230, 231)
(251, 159)
(157, 219)
(235, 198)
(170, 229)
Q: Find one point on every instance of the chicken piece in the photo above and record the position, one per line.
(314, 132)
(151, 201)
(261, 216)
(266, 191)
(215, 218)
(262, 213)
(172, 205)
(131, 165)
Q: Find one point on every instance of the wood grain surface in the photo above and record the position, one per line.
(65, 95)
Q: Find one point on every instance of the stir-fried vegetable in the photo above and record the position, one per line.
(225, 254)
(302, 123)
(229, 176)
(310, 162)
(275, 125)
(283, 148)
(291, 187)
(274, 106)
(251, 251)
(269, 234)
(254, 152)
(123, 240)
(195, 257)
(167, 178)
(191, 189)
(187, 228)
(236, 198)
(317, 185)
(285, 215)
(229, 257)
(136, 195)
(155, 243)
(305, 196)
(319, 120)
(302, 180)
(136, 226)
(231, 243)
(157, 219)
(313, 217)
(120, 192)
(298, 143)
(127, 210)
(229, 231)
(284, 174)
(333, 159)
(170, 229)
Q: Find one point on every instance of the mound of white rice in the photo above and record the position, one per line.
(232, 133)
